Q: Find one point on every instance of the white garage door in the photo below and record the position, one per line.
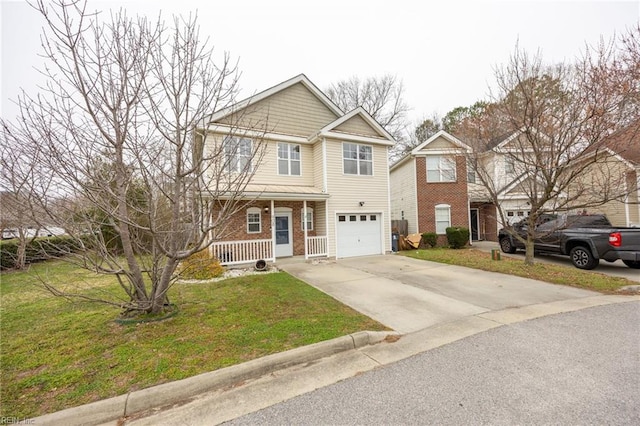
(358, 234)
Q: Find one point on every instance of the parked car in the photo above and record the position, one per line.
(584, 238)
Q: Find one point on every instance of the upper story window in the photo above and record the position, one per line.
(509, 165)
(238, 153)
(357, 159)
(254, 218)
(441, 169)
(288, 159)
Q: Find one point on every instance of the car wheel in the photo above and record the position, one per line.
(506, 246)
(635, 264)
(582, 258)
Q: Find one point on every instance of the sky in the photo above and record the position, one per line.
(445, 52)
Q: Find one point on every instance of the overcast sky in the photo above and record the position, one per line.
(444, 51)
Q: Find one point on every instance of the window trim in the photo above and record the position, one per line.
(288, 159)
(253, 211)
(309, 212)
(237, 140)
(440, 169)
(357, 159)
(442, 207)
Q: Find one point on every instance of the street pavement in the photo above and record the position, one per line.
(575, 368)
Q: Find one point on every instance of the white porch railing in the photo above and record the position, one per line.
(317, 246)
(236, 252)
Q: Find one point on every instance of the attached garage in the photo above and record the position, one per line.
(358, 234)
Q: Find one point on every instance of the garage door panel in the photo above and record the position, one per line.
(358, 234)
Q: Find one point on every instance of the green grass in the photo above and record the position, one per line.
(557, 274)
(57, 354)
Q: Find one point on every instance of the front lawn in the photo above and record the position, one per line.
(557, 274)
(57, 354)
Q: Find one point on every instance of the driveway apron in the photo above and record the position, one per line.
(407, 294)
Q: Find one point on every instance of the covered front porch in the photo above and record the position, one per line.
(275, 228)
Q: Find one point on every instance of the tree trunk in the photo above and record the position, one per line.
(529, 253)
(159, 295)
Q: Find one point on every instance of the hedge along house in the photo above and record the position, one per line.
(319, 186)
(429, 186)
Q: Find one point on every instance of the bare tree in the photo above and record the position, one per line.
(541, 131)
(120, 128)
(382, 97)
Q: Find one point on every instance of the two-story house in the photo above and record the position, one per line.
(611, 179)
(320, 185)
(429, 186)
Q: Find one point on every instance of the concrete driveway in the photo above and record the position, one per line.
(408, 294)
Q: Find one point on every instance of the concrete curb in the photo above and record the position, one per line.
(181, 390)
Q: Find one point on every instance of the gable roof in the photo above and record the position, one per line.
(625, 143)
(455, 141)
(300, 78)
(328, 130)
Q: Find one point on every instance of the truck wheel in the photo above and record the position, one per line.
(635, 264)
(506, 246)
(582, 258)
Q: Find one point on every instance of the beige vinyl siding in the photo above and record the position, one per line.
(357, 125)
(318, 161)
(403, 193)
(320, 215)
(267, 172)
(293, 111)
(439, 143)
(615, 212)
(348, 190)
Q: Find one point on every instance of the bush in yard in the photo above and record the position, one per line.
(37, 250)
(200, 266)
(457, 236)
(430, 238)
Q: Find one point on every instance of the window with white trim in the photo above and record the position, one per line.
(441, 169)
(509, 165)
(254, 220)
(443, 218)
(238, 153)
(309, 219)
(357, 159)
(288, 159)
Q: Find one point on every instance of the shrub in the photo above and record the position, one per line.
(37, 250)
(430, 238)
(200, 266)
(457, 236)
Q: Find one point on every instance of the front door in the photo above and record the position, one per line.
(475, 236)
(284, 240)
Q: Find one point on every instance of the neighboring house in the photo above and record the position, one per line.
(429, 186)
(320, 167)
(614, 174)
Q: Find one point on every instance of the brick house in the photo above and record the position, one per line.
(429, 186)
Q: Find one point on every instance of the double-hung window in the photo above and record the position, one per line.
(254, 217)
(509, 165)
(441, 169)
(443, 218)
(238, 153)
(309, 220)
(288, 159)
(357, 159)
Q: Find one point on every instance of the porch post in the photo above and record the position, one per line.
(273, 231)
(304, 226)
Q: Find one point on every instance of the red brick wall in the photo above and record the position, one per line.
(431, 194)
(235, 227)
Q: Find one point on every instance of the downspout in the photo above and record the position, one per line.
(325, 189)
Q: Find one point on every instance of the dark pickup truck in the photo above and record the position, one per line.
(584, 238)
